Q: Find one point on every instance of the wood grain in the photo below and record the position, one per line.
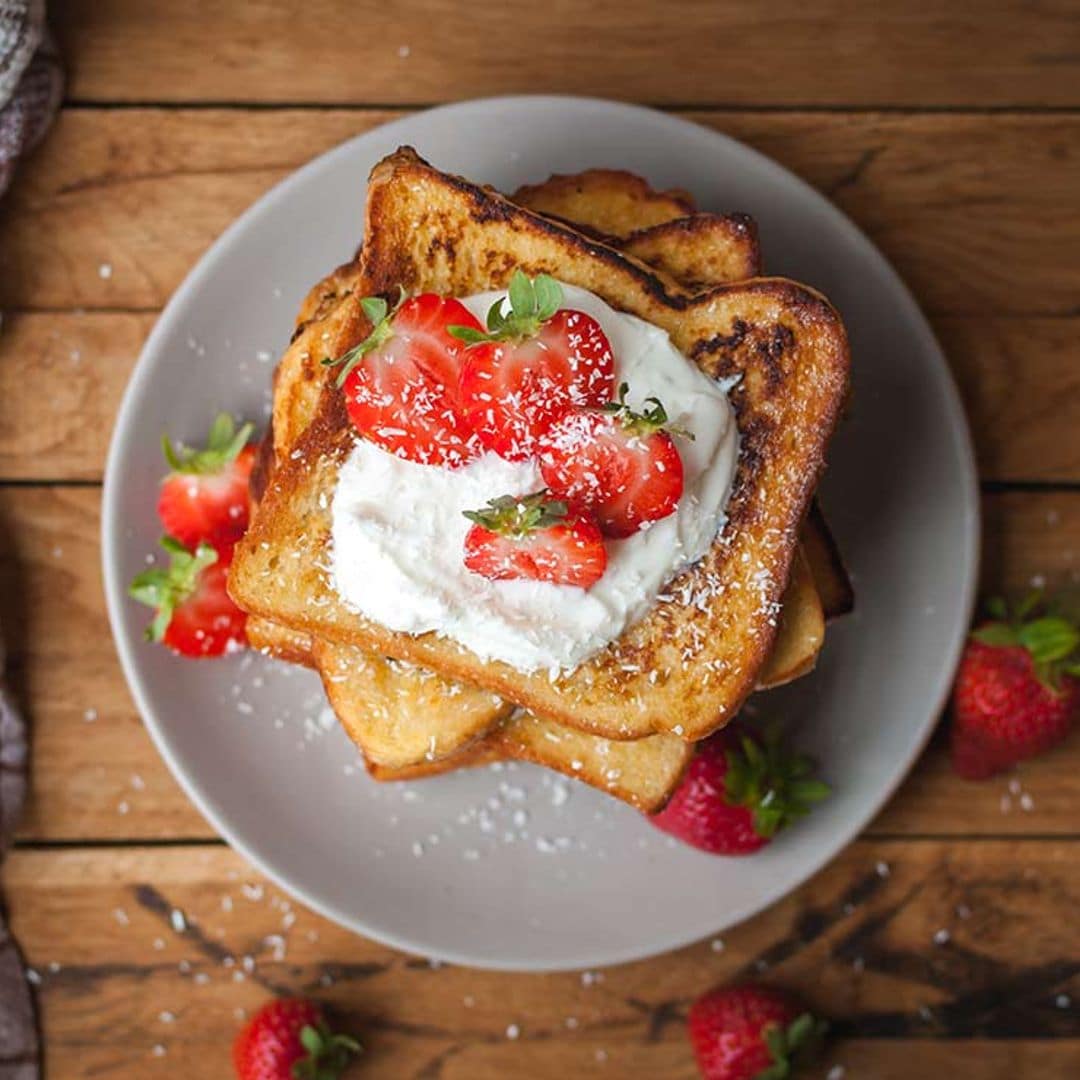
(858, 941)
(62, 376)
(833, 53)
(97, 776)
(980, 213)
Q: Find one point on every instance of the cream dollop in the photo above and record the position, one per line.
(398, 529)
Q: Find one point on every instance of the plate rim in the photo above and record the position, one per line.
(115, 590)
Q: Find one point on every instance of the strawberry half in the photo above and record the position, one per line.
(620, 466)
(741, 789)
(205, 496)
(194, 614)
(288, 1039)
(533, 363)
(401, 381)
(533, 537)
(1017, 689)
(751, 1033)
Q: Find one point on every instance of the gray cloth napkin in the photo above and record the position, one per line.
(31, 82)
(19, 1052)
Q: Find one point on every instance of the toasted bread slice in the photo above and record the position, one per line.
(826, 565)
(387, 706)
(641, 772)
(604, 201)
(279, 642)
(688, 665)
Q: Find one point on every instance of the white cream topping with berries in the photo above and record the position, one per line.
(398, 527)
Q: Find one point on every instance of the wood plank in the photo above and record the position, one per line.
(980, 213)
(102, 778)
(62, 376)
(858, 941)
(833, 53)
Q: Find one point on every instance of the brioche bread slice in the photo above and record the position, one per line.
(685, 667)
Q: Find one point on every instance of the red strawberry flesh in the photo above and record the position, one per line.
(403, 393)
(514, 390)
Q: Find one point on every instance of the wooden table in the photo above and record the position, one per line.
(946, 936)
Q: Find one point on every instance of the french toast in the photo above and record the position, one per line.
(644, 772)
(685, 667)
(718, 247)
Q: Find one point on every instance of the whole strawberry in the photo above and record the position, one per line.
(1017, 690)
(751, 1033)
(205, 496)
(287, 1039)
(740, 790)
(193, 614)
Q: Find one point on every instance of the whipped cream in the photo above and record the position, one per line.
(398, 531)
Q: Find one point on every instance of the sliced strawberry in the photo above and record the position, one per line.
(401, 382)
(620, 466)
(194, 614)
(532, 537)
(205, 496)
(533, 363)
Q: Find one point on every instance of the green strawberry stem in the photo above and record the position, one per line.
(223, 444)
(532, 302)
(792, 1045)
(775, 785)
(653, 417)
(327, 1053)
(1052, 639)
(381, 316)
(165, 589)
(516, 516)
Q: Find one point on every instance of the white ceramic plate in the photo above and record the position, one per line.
(511, 868)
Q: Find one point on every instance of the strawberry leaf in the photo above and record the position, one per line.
(528, 304)
(327, 1053)
(381, 316)
(771, 782)
(1049, 639)
(516, 516)
(522, 295)
(223, 443)
(165, 589)
(805, 1034)
(549, 296)
(374, 309)
(996, 633)
(652, 418)
(1026, 606)
(997, 609)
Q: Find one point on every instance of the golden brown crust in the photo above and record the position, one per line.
(826, 565)
(610, 201)
(688, 665)
(700, 250)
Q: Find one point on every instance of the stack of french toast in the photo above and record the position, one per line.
(749, 615)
